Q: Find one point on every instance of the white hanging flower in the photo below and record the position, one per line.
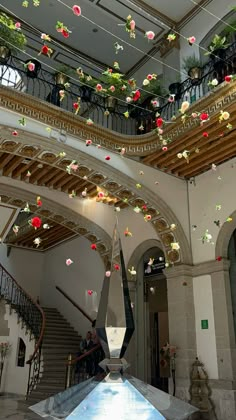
(175, 246)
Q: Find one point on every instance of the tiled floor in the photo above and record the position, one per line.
(13, 408)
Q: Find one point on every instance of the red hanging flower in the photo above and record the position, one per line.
(107, 158)
(228, 78)
(218, 258)
(93, 247)
(90, 292)
(36, 222)
(65, 33)
(116, 267)
(14, 133)
(39, 202)
(137, 95)
(164, 148)
(205, 134)
(204, 116)
(159, 122)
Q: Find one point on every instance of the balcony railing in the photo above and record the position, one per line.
(95, 106)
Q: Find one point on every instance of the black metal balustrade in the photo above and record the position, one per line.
(31, 316)
(95, 106)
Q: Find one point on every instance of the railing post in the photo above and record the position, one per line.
(68, 372)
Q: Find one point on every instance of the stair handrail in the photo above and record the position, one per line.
(11, 296)
(71, 362)
(74, 303)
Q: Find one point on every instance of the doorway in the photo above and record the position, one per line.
(157, 327)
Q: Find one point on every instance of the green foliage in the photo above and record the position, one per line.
(64, 69)
(154, 88)
(190, 62)
(217, 43)
(10, 36)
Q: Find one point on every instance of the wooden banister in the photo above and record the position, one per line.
(84, 355)
(74, 304)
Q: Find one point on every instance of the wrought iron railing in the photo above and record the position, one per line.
(31, 316)
(192, 90)
(94, 105)
(84, 366)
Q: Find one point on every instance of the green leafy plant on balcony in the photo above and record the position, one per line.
(217, 43)
(191, 62)
(10, 36)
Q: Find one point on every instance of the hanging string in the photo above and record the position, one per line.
(175, 31)
(68, 50)
(212, 14)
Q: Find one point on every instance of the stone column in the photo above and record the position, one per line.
(182, 331)
(224, 388)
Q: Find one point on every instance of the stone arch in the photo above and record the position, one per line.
(141, 249)
(224, 236)
(123, 187)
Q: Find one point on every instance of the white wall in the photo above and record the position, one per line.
(25, 266)
(206, 338)
(15, 379)
(209, 192)
(86, 272)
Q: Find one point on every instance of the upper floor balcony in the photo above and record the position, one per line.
(137, 132)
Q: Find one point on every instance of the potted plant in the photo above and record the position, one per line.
(88, 85)
(153, 92)
(62, 75)
(193, 67)
(217, 48)
(12, 39)
(116, 88)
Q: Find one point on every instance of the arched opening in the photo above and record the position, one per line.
(151, 313)
(21, 353)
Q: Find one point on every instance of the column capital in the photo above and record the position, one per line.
(210, 267)
(180, 270)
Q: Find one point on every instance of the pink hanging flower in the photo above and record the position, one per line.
(90, 292)
(112, 88)
(98, 87)
(108, 274)
(88, 142)
(30, 66)
(164, 148)
(69, 262)
(132, 25)
(191, 40)
(17, 25)
(76, 10)
(14, 133)
(150, 35)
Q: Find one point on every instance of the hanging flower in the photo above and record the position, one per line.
(118, 48)
(147, 217)
(136, 95)
(46, 226)
(76, 10)
(89, 121)
(191, 40)
(228, 78)
(132, 271)
(84, 193)
(108, 274)
(76, 106)
(146, 82)
(218, 258)
(205, 134)
(213, 83)
(60, 27)
(137, 210)
(14, 133)
(45, 37)
(39, 202)
(127, 233)
(224, 115)
(90, 292)
(37, 242)
(107, 157)
(30, 66)
(175, 246)
(130, 26)
(69, 262)
(164, 148)
(204, 116)
(45, 50)
(116, 267)
(159, 122)
(126, 114)
(36, 222)
(98, 87)
(122, 151)
(93, 247)
(150, 35)
(171, 37)
(184, 107)
(88, 142)
(16, 229)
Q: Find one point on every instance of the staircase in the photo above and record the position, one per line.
(59, 340)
